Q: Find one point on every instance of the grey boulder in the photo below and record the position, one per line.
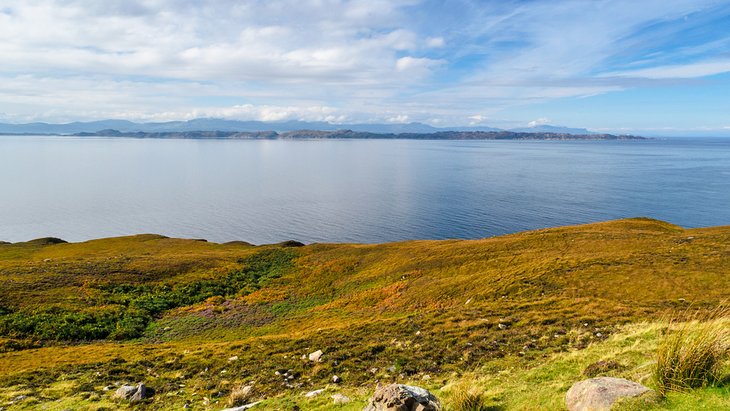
(131, 393)
(399, 397)
(601, 393)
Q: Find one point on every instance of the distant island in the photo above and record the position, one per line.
(350, 134)
(212, 128)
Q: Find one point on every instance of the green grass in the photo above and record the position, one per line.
(518, 318)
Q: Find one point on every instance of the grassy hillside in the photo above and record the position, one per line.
(519, 317)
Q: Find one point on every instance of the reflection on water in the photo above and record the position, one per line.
(350, 191)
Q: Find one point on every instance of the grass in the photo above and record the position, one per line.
(468, 398)
(517, 318)
(123, 311)
(694, 354)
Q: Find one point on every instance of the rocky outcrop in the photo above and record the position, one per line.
(399, 397)
(601, 393)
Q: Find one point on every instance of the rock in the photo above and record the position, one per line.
(140, 394)
(316, 356)
(132, 393)
(232, 359)
(312, 394)
(336, 379)
(600, 394)
(340, 399)
(125, 392)
(399, 397)
(242, 407)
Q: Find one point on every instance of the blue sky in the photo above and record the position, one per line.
(625, 66)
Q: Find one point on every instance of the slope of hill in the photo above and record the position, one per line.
(194, 319)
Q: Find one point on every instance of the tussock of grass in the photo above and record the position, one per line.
(693, 354)
(240, 395)
(468, 398)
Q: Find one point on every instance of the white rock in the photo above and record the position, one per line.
(340, 399)
(316, 356)
(312, 394)
(243, 407)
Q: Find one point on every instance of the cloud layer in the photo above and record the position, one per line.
(343, 61)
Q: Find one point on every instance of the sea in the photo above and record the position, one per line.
(354, 191)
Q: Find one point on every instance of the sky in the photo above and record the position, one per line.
(605, 65)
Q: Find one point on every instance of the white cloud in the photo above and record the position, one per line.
(692, 70)
(417, 66)
(539, 122)
(435, 42)
(330, 60)
(477, 119)
(400, 118)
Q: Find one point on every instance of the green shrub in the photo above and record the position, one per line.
(692, 355)
(133, 307)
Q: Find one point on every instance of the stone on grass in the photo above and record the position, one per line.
(601, 393)
(316, 356)
(312, 394)
(242, 407)
(399, 397)
(140, 394)
(340, 399)
(131, 393)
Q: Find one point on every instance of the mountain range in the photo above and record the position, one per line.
(212, 124)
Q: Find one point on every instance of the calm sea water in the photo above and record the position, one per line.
(350, 191)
